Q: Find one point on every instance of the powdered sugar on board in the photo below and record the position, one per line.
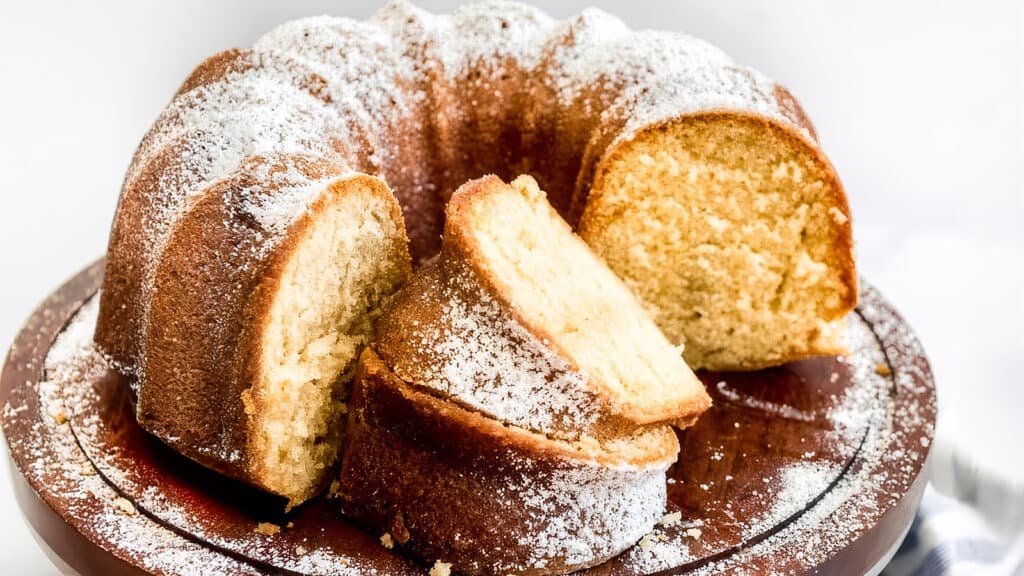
(72, 393)
(888, 462)
(61, 471)
(813, 510)
(602, 511)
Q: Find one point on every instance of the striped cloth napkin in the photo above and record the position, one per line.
(971, 522)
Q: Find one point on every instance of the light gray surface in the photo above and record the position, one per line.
(918, 105)
(887, 557)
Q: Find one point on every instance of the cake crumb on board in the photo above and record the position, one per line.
(669, 520)
(267, 528)
(441, 569)
(124, 506)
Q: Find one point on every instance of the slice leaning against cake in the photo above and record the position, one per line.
(519, 320)
(264, 297)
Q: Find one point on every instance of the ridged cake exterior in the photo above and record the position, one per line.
(217, 357)
(423, 103)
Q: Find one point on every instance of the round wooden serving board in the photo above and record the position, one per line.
(810, 468)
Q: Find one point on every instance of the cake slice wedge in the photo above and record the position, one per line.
(519, 320)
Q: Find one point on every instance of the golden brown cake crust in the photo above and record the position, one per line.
(451, 485)
(120, 320)
(143, 196)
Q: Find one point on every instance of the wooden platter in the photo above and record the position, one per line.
(810, 468)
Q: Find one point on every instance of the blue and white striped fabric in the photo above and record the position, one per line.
(971, 522)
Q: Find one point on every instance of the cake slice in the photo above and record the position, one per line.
(262, 300)
(733, 229)
(518, 319)
(453, 486)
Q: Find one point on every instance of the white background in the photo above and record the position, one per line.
(919, 105)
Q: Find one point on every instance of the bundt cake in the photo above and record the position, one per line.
(701, 183)
(450, 485)
(518, 319)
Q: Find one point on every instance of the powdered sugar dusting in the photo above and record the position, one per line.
(70, 477)
(596, 52)
(606, 509)
(72, 366)
(862, 494)
(213, 128)
(476, 354)
(483, 35)
(797, 486)
(295, 189)
(372, 82)
(368, 80)
(696, 89)
(210, 131)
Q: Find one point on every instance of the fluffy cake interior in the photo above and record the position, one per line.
(349, 258)
(562, 290)
(729, 232)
